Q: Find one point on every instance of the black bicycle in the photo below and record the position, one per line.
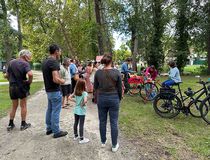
(205, 108)
(168, 103)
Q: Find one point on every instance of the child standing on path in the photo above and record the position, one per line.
(80, 95)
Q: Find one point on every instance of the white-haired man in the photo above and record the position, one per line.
(19, 86)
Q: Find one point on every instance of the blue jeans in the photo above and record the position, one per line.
(168, 83)
(53, 111)
(108, 103)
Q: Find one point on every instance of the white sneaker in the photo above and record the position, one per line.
(76, 138)
(85, 140)
(103, 144)
(114, 149)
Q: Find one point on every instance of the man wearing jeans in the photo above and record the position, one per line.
(52, 81)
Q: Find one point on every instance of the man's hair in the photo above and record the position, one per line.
(24, 52)
(53, 48)
(172, 64)
(80, 87)
(128, 59)
(65, 61)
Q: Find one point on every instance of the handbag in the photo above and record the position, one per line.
(167, 93)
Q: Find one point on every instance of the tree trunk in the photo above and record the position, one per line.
(208, 38)
(98, 21)
(20, 36)
(135, 52)
(6, 44)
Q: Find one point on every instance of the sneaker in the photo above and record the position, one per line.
(60, 134)
(85, 140)
(49, 132)
(10, 127)
(25, 126)
(76, 138)
(115, 148)
(103, 144)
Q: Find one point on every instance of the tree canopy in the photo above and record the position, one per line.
(156, 30)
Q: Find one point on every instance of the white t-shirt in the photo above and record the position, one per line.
(65, 74)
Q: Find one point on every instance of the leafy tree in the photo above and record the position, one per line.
(156, 54)
(182, 36)
(7, 35)
(122, 53)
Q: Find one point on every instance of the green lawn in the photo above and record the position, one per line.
(177, 136)
(5, 100)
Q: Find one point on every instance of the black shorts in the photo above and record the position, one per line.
(66, 90)
(16, 93)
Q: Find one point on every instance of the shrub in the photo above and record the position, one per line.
(37, 66)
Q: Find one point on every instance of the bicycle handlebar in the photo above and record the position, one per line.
(202, 82)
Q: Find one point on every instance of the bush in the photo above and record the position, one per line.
(37, 66)
(195, 70)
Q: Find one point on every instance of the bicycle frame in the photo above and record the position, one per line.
(202, 91)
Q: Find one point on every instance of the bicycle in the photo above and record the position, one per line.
(205, 107)
(146, 88)
(172, 103)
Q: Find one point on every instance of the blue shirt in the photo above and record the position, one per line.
(80, 110)
(124, 68)
(175, 75)
(73, 69)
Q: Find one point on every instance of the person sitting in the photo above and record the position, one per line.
(151, 72)
(125, 71)
(174, 75)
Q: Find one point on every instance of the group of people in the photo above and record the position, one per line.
(60, 81)
(72, 82)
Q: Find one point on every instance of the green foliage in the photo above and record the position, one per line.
(122, 53)
(71, 25)
(2, 79)
(156, 56)
(182, 36)
(37, 66)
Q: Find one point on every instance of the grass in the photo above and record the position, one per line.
(172, 135)
(5, 99)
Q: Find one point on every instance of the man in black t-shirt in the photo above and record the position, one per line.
(19, 86)
(52, 81)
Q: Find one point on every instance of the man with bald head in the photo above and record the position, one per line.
(19, 86)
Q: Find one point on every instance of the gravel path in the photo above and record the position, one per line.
(33, 144)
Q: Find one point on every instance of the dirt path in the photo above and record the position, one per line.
(33, 144)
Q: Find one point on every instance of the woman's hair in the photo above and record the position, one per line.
(90, 64)
(80, 87)
(172, 64)
(94, 64)
(107, 59)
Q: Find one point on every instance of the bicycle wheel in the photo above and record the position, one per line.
(167, 108)
(194, 109)
(148, 91)
(204, 108)
(134, 89)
